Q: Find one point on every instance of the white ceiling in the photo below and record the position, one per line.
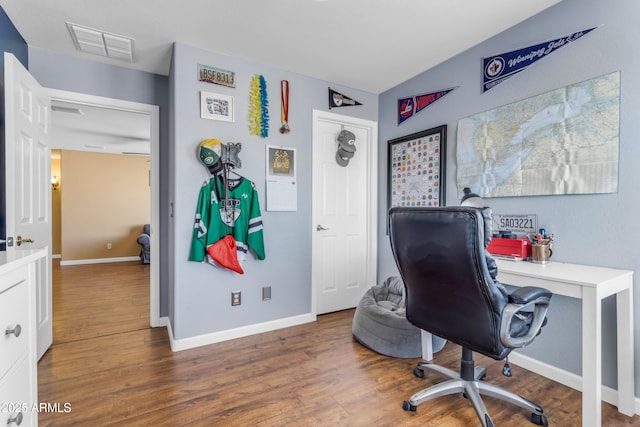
(94, 128)
(370, 45)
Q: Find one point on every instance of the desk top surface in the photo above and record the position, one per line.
(584, 275)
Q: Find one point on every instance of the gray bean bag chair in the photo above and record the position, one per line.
(380, 322)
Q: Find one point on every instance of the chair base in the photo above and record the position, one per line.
(469, 382)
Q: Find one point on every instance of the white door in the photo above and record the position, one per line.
(28, 181)
(344, 213)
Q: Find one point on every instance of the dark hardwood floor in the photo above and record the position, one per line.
(110, 368)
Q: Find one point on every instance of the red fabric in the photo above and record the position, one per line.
(224, 252)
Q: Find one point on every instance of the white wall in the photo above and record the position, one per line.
(590, 229)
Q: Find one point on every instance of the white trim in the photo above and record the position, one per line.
(154, 114)
(56, 256)
(99, 260)
(229, 334)
(563, 377)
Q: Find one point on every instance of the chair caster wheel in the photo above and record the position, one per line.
(539, 419)
(418, 372)
(407, 406)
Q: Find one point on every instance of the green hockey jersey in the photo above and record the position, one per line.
(239, 216)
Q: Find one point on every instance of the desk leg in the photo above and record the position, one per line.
(427, 345)
(591, 358)
(626, 387)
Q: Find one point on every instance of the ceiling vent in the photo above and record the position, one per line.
(98, 42)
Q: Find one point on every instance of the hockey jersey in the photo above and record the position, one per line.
(238, 216)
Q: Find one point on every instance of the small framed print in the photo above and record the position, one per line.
(417, 169)
(214, 106)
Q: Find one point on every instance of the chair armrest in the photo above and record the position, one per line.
(143, 239)
(527, 294)
(530, 302)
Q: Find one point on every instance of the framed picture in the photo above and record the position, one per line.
(282, 187)
(214, 106)
(281, 162)
(417, 169)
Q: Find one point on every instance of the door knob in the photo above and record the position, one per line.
(17, 419)
(20, 240)
(320, 228)
(17, 330)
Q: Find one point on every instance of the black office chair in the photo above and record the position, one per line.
(451, 291)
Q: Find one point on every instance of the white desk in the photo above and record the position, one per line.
(591, 285)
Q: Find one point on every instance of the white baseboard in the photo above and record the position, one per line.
(99, 260)
(244, 331)
(163, 322)
(567, 378)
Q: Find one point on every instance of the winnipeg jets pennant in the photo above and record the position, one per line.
(498, 68)
(411, 105)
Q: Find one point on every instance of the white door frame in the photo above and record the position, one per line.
(372, 193)
(154, 114)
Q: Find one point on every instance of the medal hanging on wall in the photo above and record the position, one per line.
(284, 110)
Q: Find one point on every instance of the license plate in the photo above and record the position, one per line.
(518, 224)
(216, 76)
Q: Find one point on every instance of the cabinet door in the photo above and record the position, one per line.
(14, 318)
(16, 398)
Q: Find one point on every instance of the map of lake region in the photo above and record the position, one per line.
(561, 142)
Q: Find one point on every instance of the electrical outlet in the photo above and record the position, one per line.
(266, 293)
(235, 298)
(109, 245)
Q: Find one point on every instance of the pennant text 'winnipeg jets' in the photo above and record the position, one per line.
(498, 68)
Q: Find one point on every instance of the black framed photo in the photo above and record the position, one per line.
(417, 169)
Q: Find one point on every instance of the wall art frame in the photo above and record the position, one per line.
(215, 106)
(416, 174)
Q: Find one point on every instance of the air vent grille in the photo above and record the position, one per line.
(96, 42)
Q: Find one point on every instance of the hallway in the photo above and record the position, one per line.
(96, 300)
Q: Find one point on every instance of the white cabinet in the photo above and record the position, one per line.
(18, 354)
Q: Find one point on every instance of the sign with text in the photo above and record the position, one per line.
(518, 224)
(216, 76)
(498, 68)
(411, 105)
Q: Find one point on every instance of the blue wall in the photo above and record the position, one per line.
(10, 41)
(201, 300)
(590, 229)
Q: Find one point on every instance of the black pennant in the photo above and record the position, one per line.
(337, 99)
